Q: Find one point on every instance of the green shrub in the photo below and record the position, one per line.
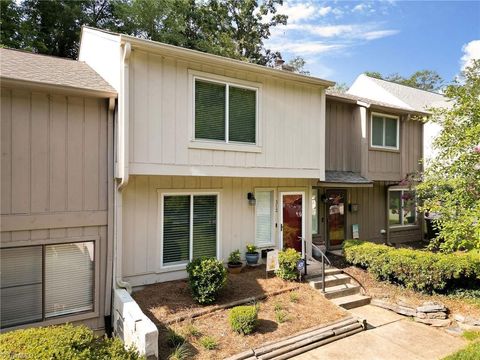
(206, 277)
(181, 352)
(174, 339)
(287, 264)
(243, 319)
(234, 257)
(192, 331)
(62, 342)
(251, 248)
(294, 297)
(281, 316)
(415, 269)
(208, 343)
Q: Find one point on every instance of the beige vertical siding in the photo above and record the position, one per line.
(54, 175)
(291, 135)
(141, 241)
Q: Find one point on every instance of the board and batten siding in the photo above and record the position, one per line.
(141, 238)
(291, 129)
(54, 175)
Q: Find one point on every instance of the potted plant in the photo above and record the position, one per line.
(252, 254)
(234, 263)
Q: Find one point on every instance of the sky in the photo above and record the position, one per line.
(342, 39)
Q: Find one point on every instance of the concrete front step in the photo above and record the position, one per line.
(352, 301)
(337, 291)
(314, 272)
(330, 280)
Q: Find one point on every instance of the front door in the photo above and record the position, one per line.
(292, 223)
(336, 217)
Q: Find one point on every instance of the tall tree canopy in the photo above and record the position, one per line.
(451, 183)
(423, 79)
(232, 28)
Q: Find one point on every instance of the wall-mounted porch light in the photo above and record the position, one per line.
(251, 199)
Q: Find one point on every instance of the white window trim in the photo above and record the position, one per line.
(273, 218)
(401, 225)
(191, 193)
(220, 144)
(371, 131)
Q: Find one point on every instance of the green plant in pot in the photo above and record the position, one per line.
(252, 254)
(234, 262)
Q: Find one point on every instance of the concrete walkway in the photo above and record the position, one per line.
(389, 337)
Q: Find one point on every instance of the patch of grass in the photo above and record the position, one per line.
(181, 352)
(208, 342)
(471, 352)
(174, 339)
(278, 306)
(192, 331)
(471, 335)
(294, 297)
(281, 316)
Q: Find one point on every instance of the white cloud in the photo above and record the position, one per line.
(306, 47)
(297, 12)
(324, 10)
(373, 35)
(359, 8)
(367, 31)
(471, 51)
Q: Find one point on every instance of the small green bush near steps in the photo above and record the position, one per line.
(243, 319)
(287, 264)
(181, 352)
(208, 342)
(62, 342)
(416, 269)
(206, 277)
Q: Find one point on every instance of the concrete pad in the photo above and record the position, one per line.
(398, 340)
(376, 316)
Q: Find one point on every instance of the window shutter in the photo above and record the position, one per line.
(264, 218)
(391, 132)
(21, 285)
(209, 110)
(242, 115)
(176, 229)
(377, 131)
(69, 274)
(204, 226)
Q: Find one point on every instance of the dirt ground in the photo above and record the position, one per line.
(302, 308)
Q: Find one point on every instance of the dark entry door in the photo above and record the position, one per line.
(336, 217)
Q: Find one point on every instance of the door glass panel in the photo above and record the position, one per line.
(292, 221)
(336, 217)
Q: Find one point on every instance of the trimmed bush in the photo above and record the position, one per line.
(206, 277)
(243, 319)
(62, 342)
(287, 264)
(415, 269)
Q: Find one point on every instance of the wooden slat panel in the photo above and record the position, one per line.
(53, 220)
(6, 146)
(75, 161)
(58, 150)
(92, 171)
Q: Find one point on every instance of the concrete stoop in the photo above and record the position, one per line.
(340, 288)
(304, 341)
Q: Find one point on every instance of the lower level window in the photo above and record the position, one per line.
(41, 282)
(189, 227)
(402, 209)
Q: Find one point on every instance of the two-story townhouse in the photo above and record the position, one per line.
(211, 154)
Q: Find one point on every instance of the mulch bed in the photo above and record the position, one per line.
(166, 301)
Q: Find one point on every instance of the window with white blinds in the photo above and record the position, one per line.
(40, 282)
(189, 227)
(225, 112)
(264, 218)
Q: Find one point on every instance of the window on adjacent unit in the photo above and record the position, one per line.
(189, 227)
(225, 112)
(264, 218)
(384, 131)
(40, 282)
(401, 208)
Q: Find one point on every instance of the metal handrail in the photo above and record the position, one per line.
(324, 257)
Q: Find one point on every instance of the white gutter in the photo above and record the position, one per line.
(122, 165)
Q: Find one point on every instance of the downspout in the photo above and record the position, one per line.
(123, 163)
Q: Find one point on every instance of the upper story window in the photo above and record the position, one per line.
(384, 131)
(225, 112)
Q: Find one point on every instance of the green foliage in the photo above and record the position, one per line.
(62, 342)
(278, 306)
(181, 352)
(206, 277)
(423, 79)
(294, 297)
(471, 352)
(251, 248)
(208, 342)
(234, 257)
(471, 335)
(298, 65)
(415, 269)
(192, 331)
(451, 182)
(174, 339)
(281, 316)
(287, 264)
(243, 319)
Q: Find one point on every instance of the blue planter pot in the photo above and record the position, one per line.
(252, 258)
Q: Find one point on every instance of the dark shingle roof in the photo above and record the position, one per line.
(345, 177)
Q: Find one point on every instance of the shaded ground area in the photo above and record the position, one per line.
(394, 293)
(301, 309)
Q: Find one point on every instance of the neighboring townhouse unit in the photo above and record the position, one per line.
(199, 138)
(56, 191)
(370, 146)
